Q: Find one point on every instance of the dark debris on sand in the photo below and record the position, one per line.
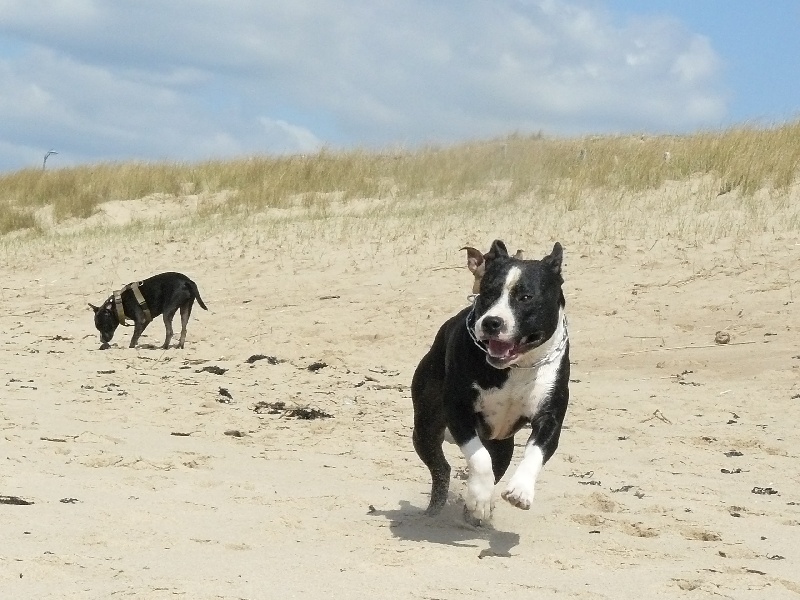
(270, 359)
(212, 369)
(15, 500)
(305, 413)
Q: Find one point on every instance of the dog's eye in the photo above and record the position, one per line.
(525, 297)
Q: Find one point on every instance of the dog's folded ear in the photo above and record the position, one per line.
(497, 250)
(474, 261)
(553, 260)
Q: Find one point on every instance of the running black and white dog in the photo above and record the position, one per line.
(494, 367)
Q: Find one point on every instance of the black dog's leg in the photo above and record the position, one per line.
(186, 311)
(431, 418)
(429, 428)
(168, 316)
(428, 444)
(138, 329)
(501, 452)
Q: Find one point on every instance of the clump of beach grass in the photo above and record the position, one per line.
(740, 178)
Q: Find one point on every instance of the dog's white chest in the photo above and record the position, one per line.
(520, 398)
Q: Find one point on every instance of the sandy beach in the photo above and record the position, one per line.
(677, 475)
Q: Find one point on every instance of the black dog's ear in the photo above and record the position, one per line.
(93, 307)
(553, 260)
(497, 250)
(474, 261)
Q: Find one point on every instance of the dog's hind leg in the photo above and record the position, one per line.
(427, 387)
(428, 444)
(186, 311)
(168, 316)
(501, 452)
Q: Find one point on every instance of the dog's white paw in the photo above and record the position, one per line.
(519, 493)
(478, 500)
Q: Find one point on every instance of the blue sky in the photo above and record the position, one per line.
(188, 80)
(758, 46)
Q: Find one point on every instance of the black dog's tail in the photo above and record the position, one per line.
(196, 294)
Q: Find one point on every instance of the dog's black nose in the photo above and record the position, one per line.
(492, 325)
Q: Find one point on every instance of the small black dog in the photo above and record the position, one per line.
(493, 368)
(143, 300)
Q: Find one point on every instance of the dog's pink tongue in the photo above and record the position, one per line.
(499, 349)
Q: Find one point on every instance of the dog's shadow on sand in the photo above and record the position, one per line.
(448, 527)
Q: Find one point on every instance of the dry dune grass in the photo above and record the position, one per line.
(745, 181)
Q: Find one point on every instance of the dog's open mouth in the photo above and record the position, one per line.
(504, 352)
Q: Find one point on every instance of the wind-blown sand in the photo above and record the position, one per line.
(144, 484)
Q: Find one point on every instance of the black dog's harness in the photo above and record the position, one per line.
(116, 299)
(547, 358)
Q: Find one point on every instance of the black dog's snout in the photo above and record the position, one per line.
(492, 325)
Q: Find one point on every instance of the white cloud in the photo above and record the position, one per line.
(189, 80)
(285, 137)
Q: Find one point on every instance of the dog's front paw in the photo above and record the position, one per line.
(519, 493)
(478, 502)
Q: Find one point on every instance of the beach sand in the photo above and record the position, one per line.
(677, 474)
